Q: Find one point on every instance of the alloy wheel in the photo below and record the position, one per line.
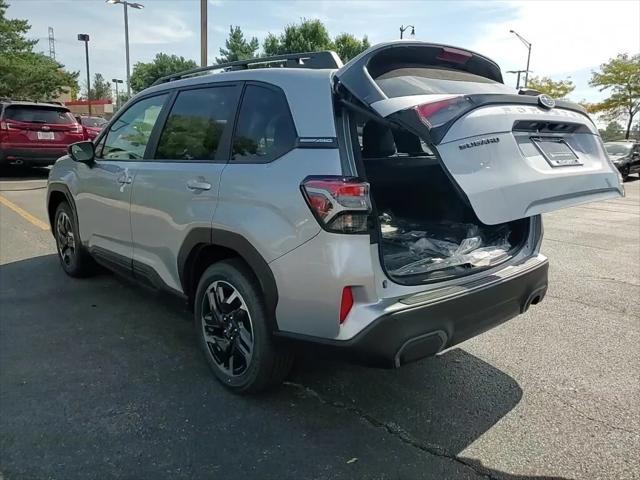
(65, 238)
(227, 328)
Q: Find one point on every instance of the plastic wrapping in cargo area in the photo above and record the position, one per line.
(427, 230)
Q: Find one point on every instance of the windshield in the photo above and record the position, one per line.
(36, 114)
(423, 80)
(92, 121)
(617, 148)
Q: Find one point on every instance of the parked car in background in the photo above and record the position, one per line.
(36, 133)
(385, 209)
(91, 126)
(625, 155)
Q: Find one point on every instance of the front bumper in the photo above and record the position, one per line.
(427, 326)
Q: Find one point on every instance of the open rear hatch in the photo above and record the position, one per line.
(511, 156)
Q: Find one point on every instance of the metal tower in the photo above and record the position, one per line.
(52, 44)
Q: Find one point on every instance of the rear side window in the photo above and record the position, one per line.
(265, 129)
(196, 123)
(423, 81)
(37, 114)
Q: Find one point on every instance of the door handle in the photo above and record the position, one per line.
(198, 185)
(124, 179)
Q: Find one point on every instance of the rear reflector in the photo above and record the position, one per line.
(340, 204)
(346, 302)
(435, 114)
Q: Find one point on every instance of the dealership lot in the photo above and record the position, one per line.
(100, 378)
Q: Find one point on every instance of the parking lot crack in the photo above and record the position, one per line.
(391, 428)
(589, 417)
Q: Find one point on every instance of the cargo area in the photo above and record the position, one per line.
(427, 230)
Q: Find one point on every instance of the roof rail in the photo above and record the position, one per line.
(313, 60)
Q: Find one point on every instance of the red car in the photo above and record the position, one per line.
(91, 126)
(36, 133)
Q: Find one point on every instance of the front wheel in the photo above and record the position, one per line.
(625, 173)
(75, 261)
(233, 331)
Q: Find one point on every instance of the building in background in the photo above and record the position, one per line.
(99, 108)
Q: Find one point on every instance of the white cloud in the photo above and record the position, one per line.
(566, 35)
(169, 30)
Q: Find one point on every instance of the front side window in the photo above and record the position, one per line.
(128, 136)
(265, 129)
(196, 123)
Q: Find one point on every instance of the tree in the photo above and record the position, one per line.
(612, 132)
(553, 88)
(237, 47)
(144, 74)
(620, 75)
(100, 88)
(347, 46)
(25, 74)
(308, 36)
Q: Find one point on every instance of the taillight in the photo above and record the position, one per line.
(76, 128)
(435, 114)
(3, 126)
(340, 204)
(346, 302)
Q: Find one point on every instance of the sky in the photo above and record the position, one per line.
(570, 38)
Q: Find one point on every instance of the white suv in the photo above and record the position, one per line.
(385, 209)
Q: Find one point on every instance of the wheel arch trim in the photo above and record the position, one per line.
(213, 237)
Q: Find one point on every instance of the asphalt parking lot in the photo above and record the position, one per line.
(102, 379)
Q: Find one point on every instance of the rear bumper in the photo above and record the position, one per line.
(424, 328)
(31, 156)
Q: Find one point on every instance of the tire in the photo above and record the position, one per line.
(75, 260)
(625, 174)
(232, 328)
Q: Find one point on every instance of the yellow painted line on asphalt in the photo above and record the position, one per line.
(23, 213)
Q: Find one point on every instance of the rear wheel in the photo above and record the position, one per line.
(75, 261)
(233, 332)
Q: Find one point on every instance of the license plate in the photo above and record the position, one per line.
(556, 151)
(45, 136)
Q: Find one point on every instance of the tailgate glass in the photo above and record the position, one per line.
(41, 115)
(403, 82)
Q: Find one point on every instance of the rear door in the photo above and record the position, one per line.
(513, 156)
(176, 190)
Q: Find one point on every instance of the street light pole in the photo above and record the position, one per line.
(137, 6)
(84, 37)
(528, 45)
(126, 48)
(117, 81)
(403, 29)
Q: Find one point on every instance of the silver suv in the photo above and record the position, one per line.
(382, 210)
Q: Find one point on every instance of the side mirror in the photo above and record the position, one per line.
(83, 152)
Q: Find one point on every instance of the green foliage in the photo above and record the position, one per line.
(189, 138)
(347, 46)
(144, 74)
(237, 47)
(614, 131)
(100, 88)
(553, 88)
(308, 36)
(620, 76)
(25, 74)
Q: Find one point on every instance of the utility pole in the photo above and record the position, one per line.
(52, 44)
(117, 81)
(84, 37)
(203, 33)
